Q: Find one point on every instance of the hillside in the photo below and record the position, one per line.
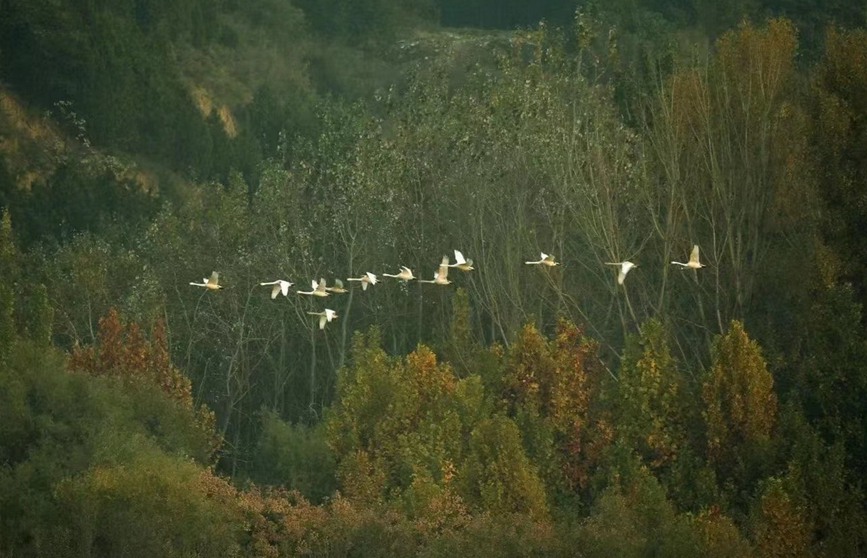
(635, 323)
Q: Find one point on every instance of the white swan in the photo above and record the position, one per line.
(318, 289)
(324, 317)
(693, 262)
(280, 286)
(404, 275)
(462, 263)
(337, 288)
(367, 279)
(546, 260)
(624, 269)
(441, 276)
(210, 284)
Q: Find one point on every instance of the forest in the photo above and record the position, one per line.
(716, 409)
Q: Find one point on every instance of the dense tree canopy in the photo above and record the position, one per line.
(563, 410)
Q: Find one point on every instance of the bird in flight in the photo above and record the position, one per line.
(441, 276)
(404, 275)
(337, 288)
(462, 263)
(318, 289)
(324, 317)
(211, 284)
(546, 260)
(280, 286)
(624, 269)
(693, 262)
(366, 279)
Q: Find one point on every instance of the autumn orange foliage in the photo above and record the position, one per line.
(556, 381)
(122, 351)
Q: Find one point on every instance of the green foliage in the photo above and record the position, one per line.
(740, 410)
(7, 321)
(813, 19)
(652, 417)
(122, 352)
(461, 347)
(295, 456)
(9, 255)
(58, 426)
(269, 117)
(600, 142)
(838, 89)
(497, 475)
(508, 536)
(79, 198)
(657, 419)
(780, 526)
(827, 493)
(633, 518)
(40, 316)
(9, 270)
(396, 420)
(109, 62)
(720, 536)
(153, 505)
(829, 379)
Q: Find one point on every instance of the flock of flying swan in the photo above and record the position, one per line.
(441, 277)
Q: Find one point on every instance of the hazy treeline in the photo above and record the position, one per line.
(522, 411)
